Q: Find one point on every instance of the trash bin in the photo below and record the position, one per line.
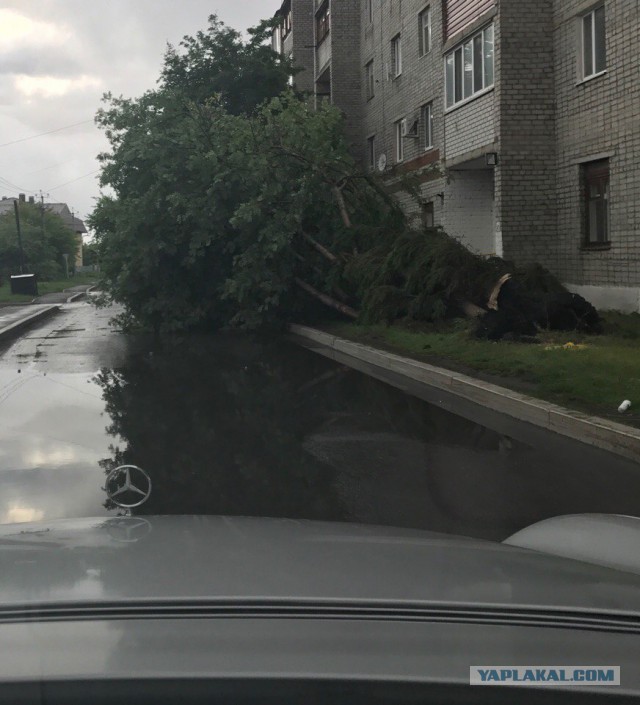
(24, 284)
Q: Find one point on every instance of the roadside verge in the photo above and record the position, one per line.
(601, 433)
(13, 320)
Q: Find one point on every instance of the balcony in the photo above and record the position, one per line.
(323, 54)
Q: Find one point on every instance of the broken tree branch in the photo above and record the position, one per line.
(327, 300)
(471, 310)
(320, 248)
(493, 298)
(342, 205)
(339, 291)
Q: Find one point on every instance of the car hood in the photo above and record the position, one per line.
(194, 559)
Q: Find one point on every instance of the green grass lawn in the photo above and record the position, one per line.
(47, 287)
(594, 379)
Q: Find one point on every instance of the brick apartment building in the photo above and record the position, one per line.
(521, 120)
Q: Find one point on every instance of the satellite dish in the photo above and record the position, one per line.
(382, 162)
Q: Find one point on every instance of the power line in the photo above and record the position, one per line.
(43, 134)
(8, 184)
(73, 181)
(53, 166)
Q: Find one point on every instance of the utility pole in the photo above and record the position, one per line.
(75, 257)
(42, 195)
(16, 209)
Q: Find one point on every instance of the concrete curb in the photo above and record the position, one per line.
(79, 294)
(13, 329)
(592, 430)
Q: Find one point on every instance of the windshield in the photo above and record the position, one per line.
(326, 266)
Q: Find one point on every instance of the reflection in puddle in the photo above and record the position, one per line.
(233, 425)
(18, 514)
(52, 437)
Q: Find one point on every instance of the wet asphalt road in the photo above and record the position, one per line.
(236, 425)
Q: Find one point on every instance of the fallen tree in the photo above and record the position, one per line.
(429, 276)
(232, 213)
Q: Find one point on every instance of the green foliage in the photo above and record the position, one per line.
(594, 379)
(623, 325)
(536, 278)
(90, 254)
(43, 252)
(420, 275)
(213, 192)
(218, 62)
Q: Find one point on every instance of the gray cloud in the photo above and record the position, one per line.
(48, 61)
(110, 45)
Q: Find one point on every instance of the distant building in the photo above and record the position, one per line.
(529, 110)
(73, 223)
(60, 209)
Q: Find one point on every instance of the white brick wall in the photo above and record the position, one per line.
(298, 44)
(469, 211)
(600, 116)
(346, 70)
(421, 82)
(470, 126)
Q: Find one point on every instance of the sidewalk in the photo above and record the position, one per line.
(63, 297)
(14, 319)
(405, 372)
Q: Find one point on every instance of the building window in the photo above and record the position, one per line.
(396, 56)
(371, 152)
(428, 219)
(323, 23)
(401, 131)
(370, 11)
(277, 40)
(370, 80)
(470, 67)
(424, 31)
(594, 51)
(595, 180)
(286, 24)
(427, 125)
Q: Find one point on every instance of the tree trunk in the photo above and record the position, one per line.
(327, 300)
(320, 248)
(471, 310)
(339, 291)
(493, 297)
(342, 206)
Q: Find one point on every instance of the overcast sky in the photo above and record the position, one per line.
(57, 58)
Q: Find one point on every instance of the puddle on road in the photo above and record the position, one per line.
(233, 425)
(52, 436)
